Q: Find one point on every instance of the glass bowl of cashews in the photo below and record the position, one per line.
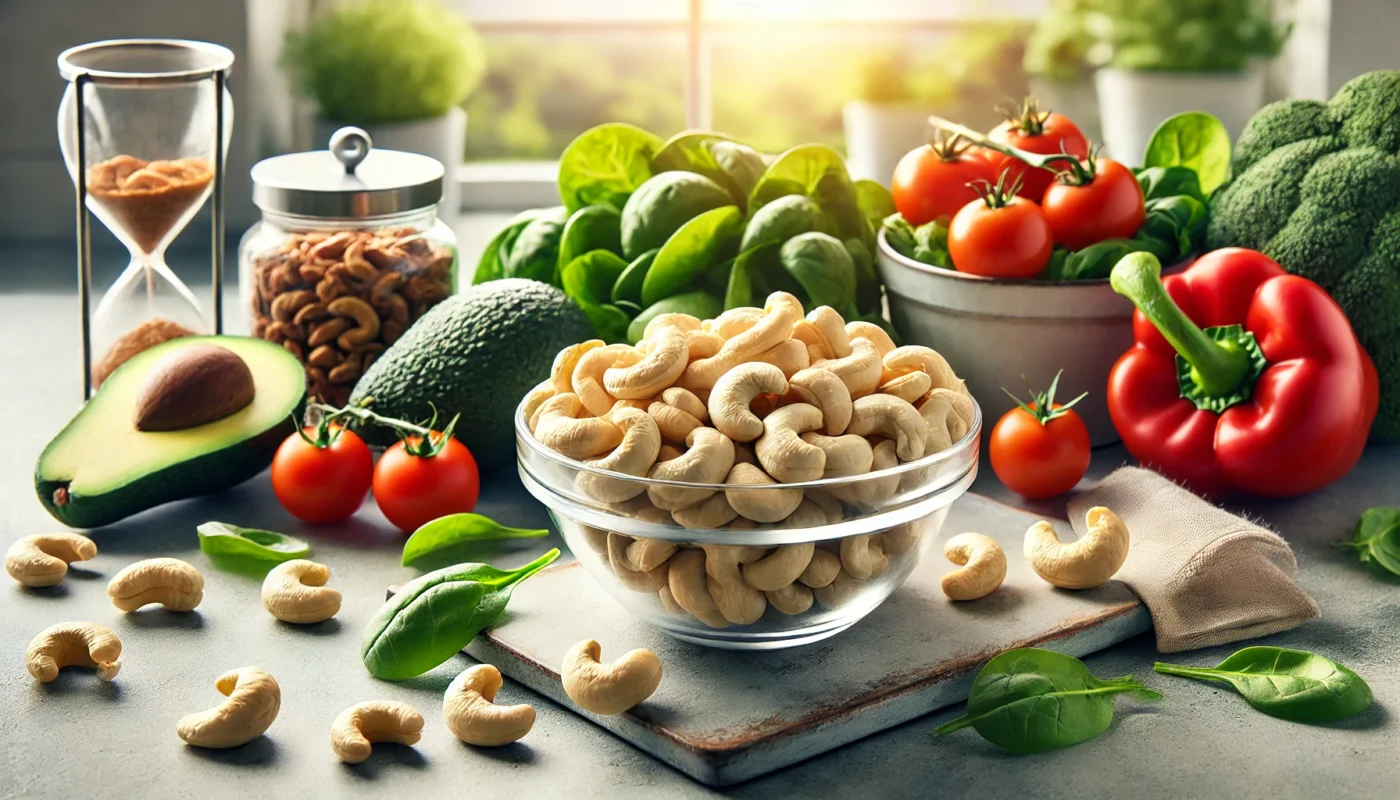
(761, 480)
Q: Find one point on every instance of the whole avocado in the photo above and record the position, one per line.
(475, 354)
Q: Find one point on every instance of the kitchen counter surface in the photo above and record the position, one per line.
(77, 737)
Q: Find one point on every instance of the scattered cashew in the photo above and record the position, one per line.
(737, 601)
(561, 374)
(785, 565)
(983, 566)
(254, 698)
(769, 505)
(689, 588)
(295, 591)
(1082, 564)
(782, 452)
(821, 387)
(846, 456)
(791, 599)
(635, 455)
(708, 460)
(610, 689)
(887, 415)
(860, 371)
(587, 381)
(73, 644)
(359, 727)
(560, 428)
(822, 569)
(42, 559)
(872, 333)
(171, 582)
(470, 711)
(655, 372)
(735, 390)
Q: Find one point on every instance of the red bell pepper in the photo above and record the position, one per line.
(1275, 397)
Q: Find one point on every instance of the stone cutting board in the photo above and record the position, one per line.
(724, 716)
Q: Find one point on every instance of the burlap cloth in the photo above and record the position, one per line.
(1207, 576)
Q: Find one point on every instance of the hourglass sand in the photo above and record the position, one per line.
(145, 153)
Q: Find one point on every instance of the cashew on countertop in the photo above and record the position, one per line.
(43, 558)
(1082, 564)
(73, 644)
(470, 711)
(254, 698)
(609, 689)
(172, 583)
(983, 566)
(355, 731)
(752, 401)
(295, 591)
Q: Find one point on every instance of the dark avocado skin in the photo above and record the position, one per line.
(475, 354)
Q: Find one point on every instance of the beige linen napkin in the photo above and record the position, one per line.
(1207, 576)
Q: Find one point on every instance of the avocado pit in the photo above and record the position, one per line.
(193, 386)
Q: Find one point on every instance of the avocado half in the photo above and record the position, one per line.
(100, 469)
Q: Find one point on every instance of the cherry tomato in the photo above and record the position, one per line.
(1008, 238)
(1036, 131)
(1109, 205)
(931, 182)
(322, 484)
(413, 490)
(1039, 454)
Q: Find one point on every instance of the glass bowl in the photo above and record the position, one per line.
(876, 527)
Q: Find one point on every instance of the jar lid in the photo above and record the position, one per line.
(351, 179)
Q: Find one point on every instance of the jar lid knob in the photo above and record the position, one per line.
(350, 145)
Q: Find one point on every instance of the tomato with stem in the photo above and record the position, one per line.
(424, 477)
(1040, 449)
(322, 473)
(933, 182)
(1000, 235)
(1093, 200)
(1029, 129)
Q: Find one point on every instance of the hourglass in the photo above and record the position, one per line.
(144, 128)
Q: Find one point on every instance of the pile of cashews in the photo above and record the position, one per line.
(755, 397)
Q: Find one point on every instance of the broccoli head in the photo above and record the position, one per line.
(1316, 187)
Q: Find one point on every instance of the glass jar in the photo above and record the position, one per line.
(349, 253)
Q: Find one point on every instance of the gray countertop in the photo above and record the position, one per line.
(77, 737)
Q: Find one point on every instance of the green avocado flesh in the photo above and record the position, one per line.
(100, 469)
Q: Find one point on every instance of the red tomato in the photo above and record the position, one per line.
(1108, 206)
(1039, 460)
(322, 484)
(931, 182)
(413, 490)
(1036, 131)
(996, 240)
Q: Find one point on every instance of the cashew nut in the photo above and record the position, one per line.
(842, 588)
(781, 450)
(708, 460)
(872, 491)
(296, 591)
(791, 599)
(781, 568)
(254, 698)
(655, 372)
(610, 689)
(587, 381)
(73, 644)
(470, 711)
(535, 398)
(645, 555)
(686, 400)
(912, 357)
(360, 726)
(690, 589)
(860, 371)
(715, 512)
(769, 505)
(673, 423)
(366, 319)
(909, 387)
(820, 387)
(827, 502)
(644, 581)
(683, 322)
(641, 443)
(735, 390)
(42, 559)
(887, 415)
(1082, 564)
(984, 566)
(737, 601)
(872, 333)
(790, 356)
(826, 330)
(703, 344)
(734, 321)
(781, 311)
(668, 601)
(562, 428)
(901, 539)
(862, 556)
(822, 570)
(846, 456)
(171, 582)
(807, 515)
(562, 373)
(949, 416)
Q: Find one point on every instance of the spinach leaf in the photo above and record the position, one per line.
(823, 266)
(899, 234)
(697, 304)
(605, 164)
(535, 254)
(874, 201)
(740, 291)
(783, 219)
(492, 265)
(433, 617)
(590, 228)
(589, 280)
(1032, 700)
(1159, 182)
(818, 172)
(700, 244)
(455, 529)
(734, 166)
(867, 278)
(1192, 139)
(1377, 539)
(223, 539)
(657, 210)
(931, 244)
(629, 284)
(1289, 684)
(743, 164)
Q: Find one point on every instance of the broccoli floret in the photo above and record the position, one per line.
(1316, 186)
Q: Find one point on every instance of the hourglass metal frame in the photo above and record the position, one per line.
(84, 215)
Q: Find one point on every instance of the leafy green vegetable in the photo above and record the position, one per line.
(739, 292)
(743, 164)
(822, 265)
(1159, 182)
(734, 166)
(492, 265)
(432, 618)
(606, 164)
(1289, 684)
(927, 244)
(1031, 700)
(535, 252)
(223, 539)
(818, 172)
(629, 284)
(590, 228)
(1192, 139)
(589, 280)
(698, 245)
(455, 529)
(701, 305)
(663, 204)
(1377, 539)
(867, 277)
(783, 219)
(874, 201)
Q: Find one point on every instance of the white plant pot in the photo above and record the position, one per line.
(1076, 99)
(878, 136)
(443, 138)
(1133, 103)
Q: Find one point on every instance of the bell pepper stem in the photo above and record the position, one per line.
(1218, 367)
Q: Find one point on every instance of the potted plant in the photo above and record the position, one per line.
(884, 121)
(1162, 57)
(1057, 65)
(400, 69)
